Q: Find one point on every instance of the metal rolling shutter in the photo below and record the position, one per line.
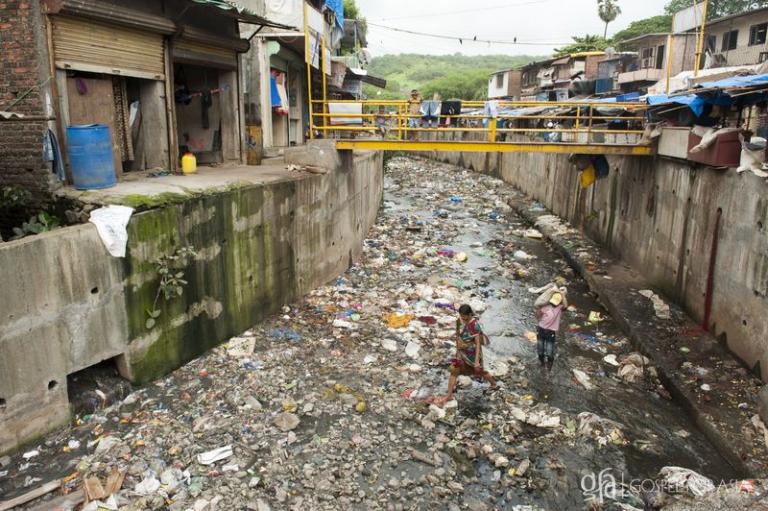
(87, 45)
(192, 52)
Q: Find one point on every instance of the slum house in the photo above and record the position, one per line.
(655, 57)
(535, 77)
(559, 78)
(608, 70)
(575, 74)
(162, 76)
(736, 40)
(729, 108)
(506, 84)
(276, 70)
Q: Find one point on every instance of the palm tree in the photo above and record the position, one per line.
(608, 10)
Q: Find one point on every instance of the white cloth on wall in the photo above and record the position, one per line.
(111, 223)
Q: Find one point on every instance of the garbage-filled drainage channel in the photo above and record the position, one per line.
(324, 405)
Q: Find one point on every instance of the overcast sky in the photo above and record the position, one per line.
(547, 23)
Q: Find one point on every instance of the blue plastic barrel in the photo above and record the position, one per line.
(89, 147)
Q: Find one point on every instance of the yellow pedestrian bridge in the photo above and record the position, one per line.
(571, 127)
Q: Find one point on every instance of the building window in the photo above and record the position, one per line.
(730, 40)
(499, 80)
(757, 34)
(660, 51)
(647, 58)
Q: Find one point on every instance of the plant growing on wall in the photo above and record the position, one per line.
(13, 197)
(42, 222)
(170, 268)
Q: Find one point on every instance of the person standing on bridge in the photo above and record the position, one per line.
(469, 352)
(414, 113)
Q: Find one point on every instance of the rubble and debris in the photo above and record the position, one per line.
(329, 404)
(679, 480)
(659, 306)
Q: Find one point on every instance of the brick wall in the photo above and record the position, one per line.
(590, 67)
(24, 84)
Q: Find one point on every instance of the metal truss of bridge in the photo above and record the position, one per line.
(572, 127)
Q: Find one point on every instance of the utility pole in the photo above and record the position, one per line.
(700, 42)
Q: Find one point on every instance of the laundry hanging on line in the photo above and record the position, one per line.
(184, 96)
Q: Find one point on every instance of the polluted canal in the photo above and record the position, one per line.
(327, 405)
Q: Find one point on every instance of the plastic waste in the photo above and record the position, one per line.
(683, 480)
(211, 457)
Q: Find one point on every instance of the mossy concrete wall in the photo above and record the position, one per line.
(70, 305)
(659, 216)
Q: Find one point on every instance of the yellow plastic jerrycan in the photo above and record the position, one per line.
(188, 163)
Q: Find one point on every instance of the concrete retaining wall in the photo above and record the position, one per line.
(69, 305)
(659, 215)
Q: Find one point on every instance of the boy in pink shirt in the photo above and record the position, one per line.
(549, 324)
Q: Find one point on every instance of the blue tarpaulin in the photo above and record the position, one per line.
(694, 102)
(738, 81)
(275, 95)
(337, 6)
(697, 100)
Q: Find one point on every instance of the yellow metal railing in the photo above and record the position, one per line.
(574, 122)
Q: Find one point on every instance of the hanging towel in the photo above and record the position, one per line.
(452, 107)
(430, 110)
(53, 154)
(491, 109)
(283, 99)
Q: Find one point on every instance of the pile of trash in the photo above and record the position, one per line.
(331, 404)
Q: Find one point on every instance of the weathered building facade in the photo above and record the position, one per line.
(164, 77)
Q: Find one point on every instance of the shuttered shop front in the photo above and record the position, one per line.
(196, 53)
(96, 47)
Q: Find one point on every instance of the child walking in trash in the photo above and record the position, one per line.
(548, 315)
(469, 352)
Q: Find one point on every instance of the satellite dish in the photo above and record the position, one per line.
(610, 52)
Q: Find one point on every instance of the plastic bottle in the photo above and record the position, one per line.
(188, 163)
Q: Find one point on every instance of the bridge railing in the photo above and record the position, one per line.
(563, 122)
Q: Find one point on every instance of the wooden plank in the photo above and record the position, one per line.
(154, 125)
(230, 122)
(31, 495)
(170, 111)
(95, 106)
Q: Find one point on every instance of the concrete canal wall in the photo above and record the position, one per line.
(68, 304)
(661, 216)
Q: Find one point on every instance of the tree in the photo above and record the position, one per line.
(582, 44)
(718, 8)
(351, 12)
(608, 10)
(471, 85)
(655, 25)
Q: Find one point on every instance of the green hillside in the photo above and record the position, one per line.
(453, 76)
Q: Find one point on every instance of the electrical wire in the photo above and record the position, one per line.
(473, 39)
(463, 11)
